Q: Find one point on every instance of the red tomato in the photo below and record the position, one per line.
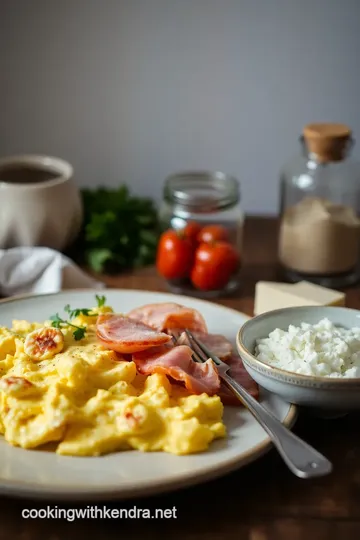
(213, 233)
(175, 255)
(214, 265)
(192, 230)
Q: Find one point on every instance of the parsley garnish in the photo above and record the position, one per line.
(73, 313)
(100, 300)
(58, 322)
(80, 331)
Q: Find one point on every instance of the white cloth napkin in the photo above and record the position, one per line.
(40, 270)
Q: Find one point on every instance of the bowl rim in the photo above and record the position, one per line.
(63, 169)
(271, 370)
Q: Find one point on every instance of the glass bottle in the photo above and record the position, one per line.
(207, 198)
(319, 236)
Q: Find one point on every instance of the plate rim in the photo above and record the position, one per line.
(19, 489)
(29, 296)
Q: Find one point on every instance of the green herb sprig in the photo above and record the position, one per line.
(58, 322)
(101, 300)
(73, 313)
(80, 331)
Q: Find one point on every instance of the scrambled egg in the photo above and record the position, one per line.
(88, 402)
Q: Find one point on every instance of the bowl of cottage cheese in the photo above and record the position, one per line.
(308, 355)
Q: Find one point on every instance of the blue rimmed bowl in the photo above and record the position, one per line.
(329, 393)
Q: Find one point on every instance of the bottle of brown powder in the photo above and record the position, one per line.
(319, 237)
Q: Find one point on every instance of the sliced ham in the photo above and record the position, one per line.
(219, 345)
(125, 335)
(177, 363)
(167, 316)
(239, 373)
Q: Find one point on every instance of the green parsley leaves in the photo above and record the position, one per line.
(76, 312)
(79, 331)
(100, 300)
(58, 322)
(120, 231)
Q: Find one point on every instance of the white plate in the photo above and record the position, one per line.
(42, 474)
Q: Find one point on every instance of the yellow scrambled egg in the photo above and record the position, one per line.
(88, 402)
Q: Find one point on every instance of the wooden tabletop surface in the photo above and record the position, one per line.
(262, 501)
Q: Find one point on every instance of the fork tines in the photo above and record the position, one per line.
(200, 349)
(197, 354)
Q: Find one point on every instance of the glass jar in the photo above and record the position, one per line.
(319, 237)
(206, 198)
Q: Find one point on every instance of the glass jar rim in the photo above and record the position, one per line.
(184, 188)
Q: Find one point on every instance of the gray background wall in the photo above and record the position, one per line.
(133, 90)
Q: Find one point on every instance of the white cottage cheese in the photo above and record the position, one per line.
(321, 349)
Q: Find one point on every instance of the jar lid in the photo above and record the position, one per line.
(202, 191)
(327, 141)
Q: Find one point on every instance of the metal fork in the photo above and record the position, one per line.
(303, 460)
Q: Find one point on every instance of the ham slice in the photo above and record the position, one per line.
(177, 363)
(167, 316)
(125, 335)
(239, 373)
(222, 348)
(219, 345)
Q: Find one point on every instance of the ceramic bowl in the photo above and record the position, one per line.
(315, 392)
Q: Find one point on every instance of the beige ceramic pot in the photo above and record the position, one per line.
(40, 205)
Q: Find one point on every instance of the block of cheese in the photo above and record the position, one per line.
(271, 295)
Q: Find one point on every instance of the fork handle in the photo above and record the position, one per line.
(303, 460)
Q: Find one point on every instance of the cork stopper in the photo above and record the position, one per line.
(328, 142)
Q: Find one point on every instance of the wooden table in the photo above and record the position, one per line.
(260, 502)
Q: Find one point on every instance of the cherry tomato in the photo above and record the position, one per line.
(192, 230)
(175, 255)
(214, 265)
(213, 233)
